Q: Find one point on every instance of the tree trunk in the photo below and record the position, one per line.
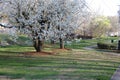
(61, 43)
(119, 45)
(52, 41)
(38, 45)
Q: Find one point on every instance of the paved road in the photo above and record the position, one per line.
(116, 75)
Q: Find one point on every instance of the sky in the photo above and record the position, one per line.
(104, 7)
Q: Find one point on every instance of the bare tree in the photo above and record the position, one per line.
(114, 25)
(100, 26)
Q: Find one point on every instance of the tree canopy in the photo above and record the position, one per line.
(43, 19)
(100, 26)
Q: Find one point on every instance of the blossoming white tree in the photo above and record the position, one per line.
(67, 17)
(45, 19)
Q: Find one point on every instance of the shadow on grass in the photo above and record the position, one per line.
(10, 52)
(34, 67)
(106, 50)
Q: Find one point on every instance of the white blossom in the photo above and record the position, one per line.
(45, 19)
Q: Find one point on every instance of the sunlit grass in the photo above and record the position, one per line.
(76, 65)
(91, 42)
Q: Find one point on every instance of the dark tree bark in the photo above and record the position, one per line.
(38, 45)
(61, 43)
(119, 45)
(52, 41)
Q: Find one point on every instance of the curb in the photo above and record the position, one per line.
(116, 75)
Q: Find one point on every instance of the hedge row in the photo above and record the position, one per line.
(109, 46)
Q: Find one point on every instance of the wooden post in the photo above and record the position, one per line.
(119, 45)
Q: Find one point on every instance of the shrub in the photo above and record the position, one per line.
(106, 46)
(11, 42)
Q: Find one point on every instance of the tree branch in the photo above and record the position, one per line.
(5, 26)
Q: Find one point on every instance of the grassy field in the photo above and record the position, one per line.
(91, 42)
(72, 65)
(76, 64)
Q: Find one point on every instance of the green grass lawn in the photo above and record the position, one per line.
(91, 42)
(75, 65)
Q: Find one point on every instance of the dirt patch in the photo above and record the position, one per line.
(43, 53)
(37, 53)
(60, 50)
(47, 46)
(8, 78)
(65, 49)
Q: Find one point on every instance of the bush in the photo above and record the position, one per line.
(109, 46)
(11, 42)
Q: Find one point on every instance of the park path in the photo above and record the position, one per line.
(90, 47)
(93, 47)
(116, 75)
